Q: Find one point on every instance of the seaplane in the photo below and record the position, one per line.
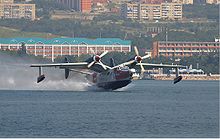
(108, 77)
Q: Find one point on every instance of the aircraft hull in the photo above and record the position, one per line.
(113, 85)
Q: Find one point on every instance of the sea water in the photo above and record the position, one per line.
(142, 109)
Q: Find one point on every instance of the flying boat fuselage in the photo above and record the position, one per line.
(113, 79)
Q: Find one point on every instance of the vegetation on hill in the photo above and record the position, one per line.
(136, 32)
(209, 11)
(209, 62)
(44, 7)
(11, 33)
(112, 25)
(205, 36)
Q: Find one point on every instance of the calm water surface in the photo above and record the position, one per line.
(143, 109)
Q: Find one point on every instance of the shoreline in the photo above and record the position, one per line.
(185, 77)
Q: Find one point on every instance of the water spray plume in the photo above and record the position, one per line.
(16, 74)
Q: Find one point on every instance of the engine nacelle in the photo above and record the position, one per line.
(97, 58)
(138, 59)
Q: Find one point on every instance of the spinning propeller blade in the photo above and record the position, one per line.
(91, 64)
(103, 54)
(136, 51)
(137, 58)
(97, 59)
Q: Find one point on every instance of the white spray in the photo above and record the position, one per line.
(16, 74)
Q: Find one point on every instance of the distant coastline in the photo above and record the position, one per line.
(188, 77)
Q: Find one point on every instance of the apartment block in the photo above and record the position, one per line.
(213, 1)
(150, 12)
(183, 49)
(152, 1)
(84, 6)
(6, 1)
(16, 11)
(172, 11)
(143, 11)
(11, 10)
(183, 1)
(130, 10)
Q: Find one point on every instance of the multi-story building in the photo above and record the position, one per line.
(8, 10)
(213, 1)
(152, 1)
(84, 6)
(172, 11)
(143, 11)
(6, 1)
(150, 12)
(183, 49)
(72, 4)
(130, 10)
(52, 48)
(105, 2)
(183, 1)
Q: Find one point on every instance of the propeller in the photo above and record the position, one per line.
(137, 58)
(97, 59)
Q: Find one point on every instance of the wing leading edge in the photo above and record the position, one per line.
(63, 65)
(149, 65)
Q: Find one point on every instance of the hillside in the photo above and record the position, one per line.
(10, 33)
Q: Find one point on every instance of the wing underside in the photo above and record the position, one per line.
(149, 65)
(63, 65)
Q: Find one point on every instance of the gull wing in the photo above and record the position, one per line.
(149, 65)
(97, 67)
(80, 65)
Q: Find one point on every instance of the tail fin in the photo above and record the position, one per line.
(190, 67)
(112, 62)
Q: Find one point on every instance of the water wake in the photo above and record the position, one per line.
(16, 74)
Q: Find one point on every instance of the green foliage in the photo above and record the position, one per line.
(200, 35)
(201, 11)
(44, 7)
(10, 33)
(113, 26)
(209, 63)
(104, 17)
(70, 28)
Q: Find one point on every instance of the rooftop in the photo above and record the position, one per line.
(66, 41)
